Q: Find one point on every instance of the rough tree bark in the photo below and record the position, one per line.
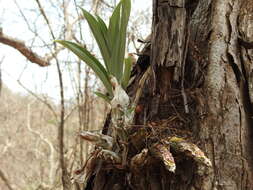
(200, 89)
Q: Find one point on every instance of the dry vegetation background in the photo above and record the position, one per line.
(56, 101)
(29, 147)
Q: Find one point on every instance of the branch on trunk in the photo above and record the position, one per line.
(22, 48)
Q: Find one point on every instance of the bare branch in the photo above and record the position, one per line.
(40, 99)
(22, 48)
(1, 81)
(51, 156)
(6, 147)
(52, 55)
(5, 180)
(45, 17)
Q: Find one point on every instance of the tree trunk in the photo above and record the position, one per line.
(200, 89)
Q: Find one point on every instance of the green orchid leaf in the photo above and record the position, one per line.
(113, 34)
(103, 96)
(97, 29)
(127, 71)
(91, 61)
(103, 27)
(113, 28)
(125, 13)
(117, 32)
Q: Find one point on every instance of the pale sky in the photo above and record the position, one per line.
(15, 67)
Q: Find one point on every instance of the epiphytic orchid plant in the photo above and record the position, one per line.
(114, 74)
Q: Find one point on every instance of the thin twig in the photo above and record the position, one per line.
(1, 82)
(39, 98)
(5, 180)
(28, 24)
(45, 18)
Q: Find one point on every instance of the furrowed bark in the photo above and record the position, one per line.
(225, 131)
